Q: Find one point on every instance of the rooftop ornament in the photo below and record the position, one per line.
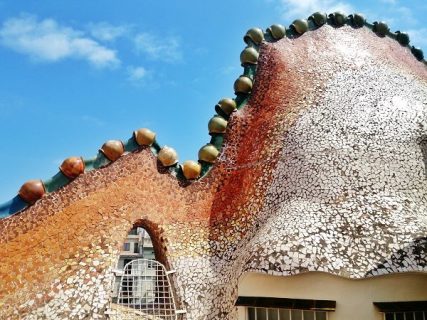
(402, 38)
(255, 35)
(191, 169)
(381, 28)
(144, 137)
(227, 105)
(338, 18)
(168, 156)
(249, 56)
(72, 167)
(358, 20)
(319, 18)
(418, 53)
(32, 190)
(277, 31)
(208, 153)
(217, 124)
(243, 85)
(112, 149)
(300, 26)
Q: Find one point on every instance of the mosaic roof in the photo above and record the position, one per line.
(317, 164)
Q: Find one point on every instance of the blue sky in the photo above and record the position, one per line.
(74, 74)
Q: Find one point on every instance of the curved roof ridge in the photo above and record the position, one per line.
(72, 167)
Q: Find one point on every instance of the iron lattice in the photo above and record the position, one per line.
(145, 292)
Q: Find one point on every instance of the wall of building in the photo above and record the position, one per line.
(321, 171)
(354, 298)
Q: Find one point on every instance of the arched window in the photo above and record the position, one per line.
(142, 288)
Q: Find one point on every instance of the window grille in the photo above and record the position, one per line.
(403, 310)
(144, 293)
(408, 315)
(284, 314)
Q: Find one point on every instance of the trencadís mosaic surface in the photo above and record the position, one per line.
(317, 164)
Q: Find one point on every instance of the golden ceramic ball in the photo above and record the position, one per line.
(168, 156)
(191, 169)
(144, 137)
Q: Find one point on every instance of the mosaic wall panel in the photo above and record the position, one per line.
(323, 170)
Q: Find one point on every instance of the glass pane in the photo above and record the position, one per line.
(399, 316)
(409, 316)
(261, 314)
(308, 315)
(389, 316)
(284, 314)
(320, 315)
(273, 314)
(251, 313)
(419, 315)
(296, 314)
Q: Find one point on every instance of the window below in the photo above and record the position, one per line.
(284, 314)
(403, 310)
(270, 308)
(415, 315)
(126, 246)
(135, 248)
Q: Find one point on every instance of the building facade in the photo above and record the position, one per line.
(309, 201)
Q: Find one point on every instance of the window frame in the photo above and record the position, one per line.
(398, 307)
(315, 313)
(324, 306)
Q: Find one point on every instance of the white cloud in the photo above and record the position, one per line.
(164, 49)
(297, 9)
(46, 40)
(136, 73)
(104, 31)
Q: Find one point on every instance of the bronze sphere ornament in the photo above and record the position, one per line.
(32, 190)
(113, 149)
(144, 137)
(300, 26)
(227, 105)
(72, 167)
(277, 31)
(255, 35)
(319, 18)
(249, 56)
(243, 85)
(217, 124)
(208, 153)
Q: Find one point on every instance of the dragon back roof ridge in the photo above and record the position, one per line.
(190, 170)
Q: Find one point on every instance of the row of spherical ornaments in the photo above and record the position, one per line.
(316, 20)
(72, 167)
